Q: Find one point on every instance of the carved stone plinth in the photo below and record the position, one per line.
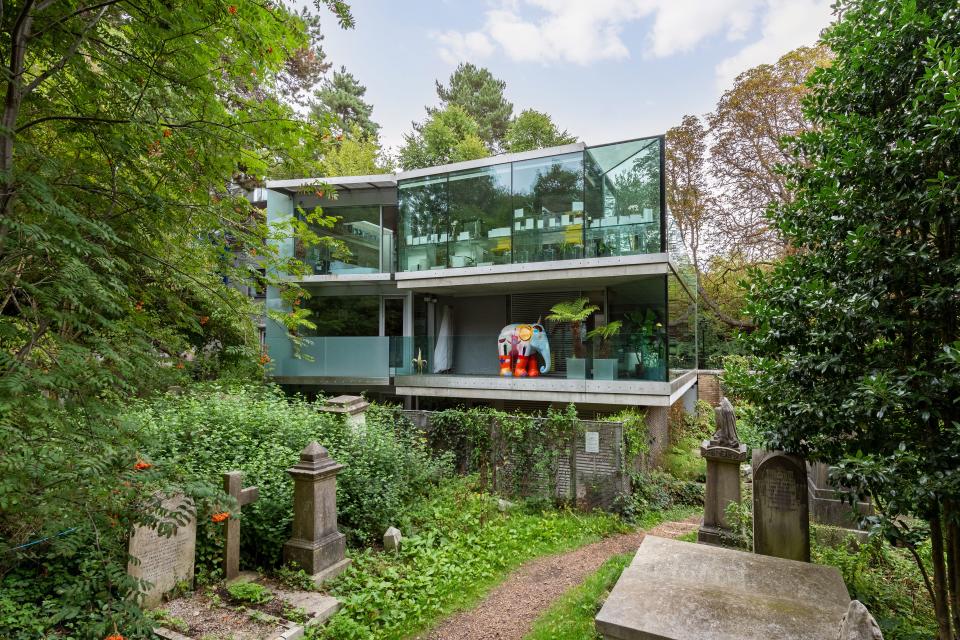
(723, 453)
(723, 487)
(316, 546)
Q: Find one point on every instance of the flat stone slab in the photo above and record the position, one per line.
(684, 591)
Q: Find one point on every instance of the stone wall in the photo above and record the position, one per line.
(708, 386)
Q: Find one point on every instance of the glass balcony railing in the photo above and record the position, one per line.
(358, 357)
(637, 357)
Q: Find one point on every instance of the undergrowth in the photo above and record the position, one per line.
(459, 545)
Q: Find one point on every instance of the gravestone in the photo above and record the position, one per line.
(316, 546)
(164, 561)
(858, 624)
(829, 506)
(353, 408)
(781, 511)
(723, 453)
(676, 590)
(391, 539)
(232, 481)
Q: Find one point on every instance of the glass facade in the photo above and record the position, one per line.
(356, 243)
(681, 328)
(604, 201)
(622, 194)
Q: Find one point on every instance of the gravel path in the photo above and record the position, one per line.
(509, 611)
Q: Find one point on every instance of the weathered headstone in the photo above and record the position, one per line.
(723, 453)
(858, 624)
(829, 506)
(316, 546)
(354, 409)
(391, 539)
(232, 483)
(164, 561)
(781, 512)
(676, 590)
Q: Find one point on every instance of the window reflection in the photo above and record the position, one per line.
(548, 208)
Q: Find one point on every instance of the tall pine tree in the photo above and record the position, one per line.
(342, 97)
(476, 91)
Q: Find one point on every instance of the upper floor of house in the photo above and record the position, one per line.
(572, 206)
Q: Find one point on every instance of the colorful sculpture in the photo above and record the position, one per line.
(517, 349)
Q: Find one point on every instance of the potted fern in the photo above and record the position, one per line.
(605, 367)
(574, 313)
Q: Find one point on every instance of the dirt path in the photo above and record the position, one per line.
(509, 611)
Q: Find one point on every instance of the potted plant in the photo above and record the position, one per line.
(645, 341)
(605, 367)
(574, 313)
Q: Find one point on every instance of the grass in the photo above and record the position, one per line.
(460, 547)
(571, 617)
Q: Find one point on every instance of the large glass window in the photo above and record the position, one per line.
(353, 244)
(622, 193)
(548, 208)
(682, 327)
(480, 216)
(424, 223)
(344, 316)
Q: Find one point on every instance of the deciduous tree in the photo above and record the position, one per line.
(449, 135)
(534, 130)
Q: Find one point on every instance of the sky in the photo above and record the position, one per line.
(605, 70)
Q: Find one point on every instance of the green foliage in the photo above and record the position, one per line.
(356, 155)
(255, 429)
(572, 310)
(655, 492)
(480, 95)
(636, 434)
(342, 96)
(448, 135)
(887, 581)
(858, 339)
(459, 546)
(534, 130)
(131, 133)
(250, 592)
(571, 617)
(683, 460)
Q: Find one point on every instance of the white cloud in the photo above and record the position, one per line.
(586, 31)
(787, 24)
(456, 47)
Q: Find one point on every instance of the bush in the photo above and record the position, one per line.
(887, 581)
(687, 432)
(655, 491)
(256, 429)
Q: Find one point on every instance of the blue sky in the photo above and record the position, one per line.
(605, 70)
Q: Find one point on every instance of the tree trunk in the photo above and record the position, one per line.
(940, 598)
(953, 561)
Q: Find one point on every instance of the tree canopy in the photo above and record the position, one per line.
(342, 97)
(476, 91)
(131, 132)
(448, 135)
(534, 130)
(858, 337)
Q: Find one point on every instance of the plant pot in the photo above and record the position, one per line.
(605, 368)
(576, 368)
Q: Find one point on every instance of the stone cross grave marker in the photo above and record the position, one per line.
(161, 560)
(232, 481)
(781, 512)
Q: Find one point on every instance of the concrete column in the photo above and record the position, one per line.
(353, 408)
(316, 546)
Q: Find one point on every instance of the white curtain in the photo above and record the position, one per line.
(443, 353)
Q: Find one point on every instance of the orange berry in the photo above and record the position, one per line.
(167, 133)
(232, 9)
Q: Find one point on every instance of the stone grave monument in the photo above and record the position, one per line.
(683, 591)
(232, 481)
(829, 506)
(781, 511)
(316, 546)
(164, 561)
(723, 453)
(353, 408)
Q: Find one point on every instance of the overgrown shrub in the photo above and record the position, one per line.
(687, 432)
(885, 579)
(657, 491)
(256, 429)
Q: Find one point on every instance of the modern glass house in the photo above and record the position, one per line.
(426, 267)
